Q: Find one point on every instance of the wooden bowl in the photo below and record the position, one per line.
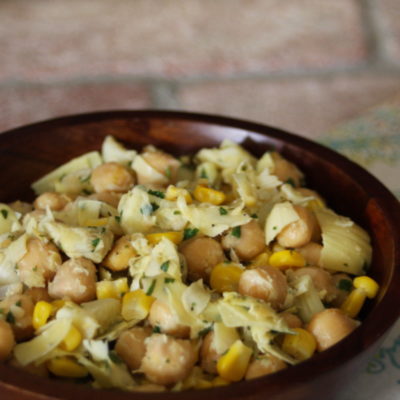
(29, 152)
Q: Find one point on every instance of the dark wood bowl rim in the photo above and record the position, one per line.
(321, 363)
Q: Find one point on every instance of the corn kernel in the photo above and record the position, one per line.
(300, 346)
(353, 303)
(112, 289)
(218, 381)
(136, 305)
(66, 367)
(367, 284)
(174, 192)
(261, 260)
(41, 313)
(232, 366)
(287, 259)
(208, 195)
(72, 340)
(96, 221)
(225, 277)
(174, 237)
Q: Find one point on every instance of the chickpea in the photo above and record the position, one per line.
(286, 171)
(250, 244)
(111, 177)
(202, 255)
(322, 281)
(168, 360)
(161, 316)
(164, 163)
(266, 283)
(55, 201)
(300, 232)
(38, 294)
(131, 346)
(39, 264)
(330, 326)
(311, 252)
(75, 280)
(21, 207)
(18, 310)
(110, 198)
(119, 256)
(292, 320)
(264, 366)
(342, 288)
(7, 341)
(208, 354)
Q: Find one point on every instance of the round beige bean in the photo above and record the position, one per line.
(18, 311)
(208, 354)
(311, 252)
(250, 243)
(39, 264)
(264, 366)
(322, 281)
(38, 294)
(167, 321)
(330, 326)
(75, 280)
(168, 360)
(266, 283)
(110, 198)
(118, 257)
(111, 177)
(7, 341)
(287, 171)
(202, 255)
(131, 346)
(300, 232)
(292, 320)
(55, 201)
(164, 163)
(21, 206)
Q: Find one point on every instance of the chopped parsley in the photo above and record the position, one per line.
(169, 280)
(154, 207)
(345, 284)
(85, 191)
(156, 193)
(156, 329)
(177, 212)
(95, 242)
(291, 181)
(164, 266)
(254, 216)
(4, 213)
(204, 331)
(150, 290)
(189, 233)
(118, 218)
(192, 306)
(10, 318)
(168, 172)
(18, 303)
(236, 231)
(146, 210)
(203, 174)
(114, 357)
(223, 211)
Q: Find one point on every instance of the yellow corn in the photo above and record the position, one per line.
(41, 313)
(72, 340)
(174, 237)
(232, 366)
(364, 287)
(261, 260)
(112, 289)
(225, 277)
(367, 284)
(287, 259)
(96, 221)
(207, 195)
(218, 381)
(174, 192)
(136, 305)
(66, 367)
(301, 346)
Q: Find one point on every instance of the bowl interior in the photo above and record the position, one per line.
(29, 152)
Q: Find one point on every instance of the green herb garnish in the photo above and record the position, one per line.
(168, 172)
(177, 212)
(156, 329)
(291, 181)
(345, 284)
(203, 174)
(10, 318)
(118, 218)
(156, 193)
(254, 216)
(114, 357)
(223, 211)
(150, 290)
(154, 207)
(4, 213)
(164, 266)
(189, 233)
(95, 242)
(204, 331)
(236, 231)
(169, 280)
(146, 210)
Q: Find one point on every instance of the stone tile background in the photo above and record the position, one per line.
(304, 65)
